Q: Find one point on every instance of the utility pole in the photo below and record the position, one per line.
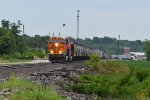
(53, 34)
(78, 24)
(59, 34)
(118, 45)
(49, 34)
(23, 29)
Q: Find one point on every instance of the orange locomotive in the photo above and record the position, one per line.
(59, 49)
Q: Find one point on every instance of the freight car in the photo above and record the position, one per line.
(61, 49)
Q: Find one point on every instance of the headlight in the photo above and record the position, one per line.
(52, 52)
(60, 52)
(56, 44)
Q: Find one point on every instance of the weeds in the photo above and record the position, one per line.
(94, 62)
(116, 79)
(24, 90)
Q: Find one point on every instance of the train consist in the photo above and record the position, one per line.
(61, 49)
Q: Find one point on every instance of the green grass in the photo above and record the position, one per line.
(125, 80)
(137, 63)
(24, 90)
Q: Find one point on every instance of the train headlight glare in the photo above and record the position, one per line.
(51, 51)
(56, 44)
(60, 52)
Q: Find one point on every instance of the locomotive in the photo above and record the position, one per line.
(61, 49)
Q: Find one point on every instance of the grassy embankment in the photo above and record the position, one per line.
(20, 89)
(128, 80)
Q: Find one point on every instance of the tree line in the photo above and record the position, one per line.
(12, 40)
(110, 45)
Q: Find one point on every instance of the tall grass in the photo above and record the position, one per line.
(24, 90)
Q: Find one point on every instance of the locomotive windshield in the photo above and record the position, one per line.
(59, 41)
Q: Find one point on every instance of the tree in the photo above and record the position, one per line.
(5, 23)
(147, 49)
(95, 39)
(15, 29)
(10, 40)
(7, 42)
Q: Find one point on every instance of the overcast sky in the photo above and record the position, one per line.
(98, 18)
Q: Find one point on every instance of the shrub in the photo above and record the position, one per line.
(117, 79)
(142, 95)
(105, 67)
(29, 54)
(94, 62)
(142, 74)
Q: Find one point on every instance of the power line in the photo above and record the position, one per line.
(118, 45)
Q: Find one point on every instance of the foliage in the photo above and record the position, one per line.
(36, 42)
(29, 54)
(94, 62)
(24, 90)
(98, 65)
(137, 64)
(33, 52)
(16, 46)
(121, 80)
(147, 49)
(10, 40)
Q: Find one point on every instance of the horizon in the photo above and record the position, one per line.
(86, 37)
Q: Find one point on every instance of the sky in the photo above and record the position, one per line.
(98, 18)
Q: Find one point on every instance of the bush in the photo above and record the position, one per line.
(116, 80)
(29, 54)
(104, 67)
(142, 75)
(94, 62)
